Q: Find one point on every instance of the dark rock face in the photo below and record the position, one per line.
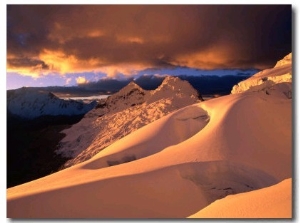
(31, 145)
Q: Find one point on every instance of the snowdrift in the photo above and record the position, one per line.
(204, 158)
(270, 202)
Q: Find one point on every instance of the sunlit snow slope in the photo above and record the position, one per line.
(186, 162)
(122, 113)
(266, 79)
(270, 202)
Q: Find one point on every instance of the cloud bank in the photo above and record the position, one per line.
(125, 39)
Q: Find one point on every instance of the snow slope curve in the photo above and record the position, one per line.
(152, 138)
(270, 202)
(170, 192)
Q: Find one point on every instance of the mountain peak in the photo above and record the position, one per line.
(175, 83)
(129, 87)
(172, 81)
(133, 84)
(174, 87)
(130, 95)
(286, 60)
(171, 78)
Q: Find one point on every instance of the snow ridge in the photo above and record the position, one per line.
(30, 103)
(130, 95)
(266, 79)
(122, 113)
(173, 87)
(286, 60)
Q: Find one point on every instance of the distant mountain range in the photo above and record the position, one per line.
(32, 103)
(207, 85)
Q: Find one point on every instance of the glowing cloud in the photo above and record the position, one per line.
(133, 39)
(68, 81)
(81, 80)
(123, 39)
(123, 69)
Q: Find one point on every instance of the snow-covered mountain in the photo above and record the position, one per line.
(122, 113)
(226, 157)
(30, 103)
(267, 79)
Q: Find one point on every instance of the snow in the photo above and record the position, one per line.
(270, 202)
(123, 113)
(87, 99)
(281, 73)
(151, 139)
(225, 157)
(286, 60)
(31, 103)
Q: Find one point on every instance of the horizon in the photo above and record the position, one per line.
(15, 81)
(205, 85)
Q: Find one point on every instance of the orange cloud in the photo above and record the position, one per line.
(125, 69)
(127, 38)
(95, 33)
(33, 67)
(59, 62)
(81, 80)
(64, 33)
(133, 39)
(62, 63)
(217, 56)
(51, 61)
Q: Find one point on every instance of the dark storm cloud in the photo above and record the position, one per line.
(28, 27)
(149, 82)
(138, 37)
(27, 62)
(106, 85)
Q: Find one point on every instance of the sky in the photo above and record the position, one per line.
(69, 45)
